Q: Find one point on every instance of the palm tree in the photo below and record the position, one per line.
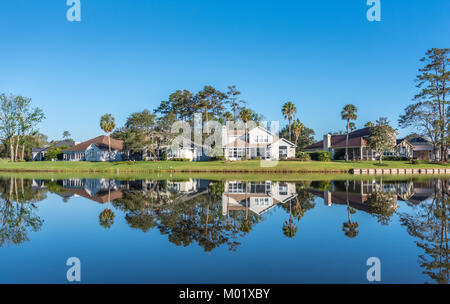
(298, 128)
(352, 126)
(228, 116)
(107, 123)
(246, 116)
(289, 110)
(369, 124)
(66, 134)
(348, 114)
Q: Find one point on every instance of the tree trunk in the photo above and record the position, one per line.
(11, 147)
(346, 141)
(16, 154)
(206, 116)
(290, 124)
(246, 139)
(381, 158)
(23, 152)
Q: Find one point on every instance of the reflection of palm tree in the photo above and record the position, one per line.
(350, 228)
(106, 217)
(290, 228)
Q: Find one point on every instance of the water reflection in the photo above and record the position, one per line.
(18, 210)
(221, 213)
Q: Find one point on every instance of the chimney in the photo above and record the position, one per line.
(327, 142)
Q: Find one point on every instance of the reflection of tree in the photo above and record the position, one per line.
(303, 203)
(106, 217)
(350, 228)
(429, 224)
(17, 211)
(382, 205)
(186, 221)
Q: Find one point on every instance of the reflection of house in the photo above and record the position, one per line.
(98, 190)
(258, 142)
(258, 197)
(357, 146)
(95, 150)
(362, 193)
(38, 154)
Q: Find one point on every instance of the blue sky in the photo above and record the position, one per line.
(125, 56)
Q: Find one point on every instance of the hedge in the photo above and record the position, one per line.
(320, 156)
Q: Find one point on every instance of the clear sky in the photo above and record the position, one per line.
(125, 56)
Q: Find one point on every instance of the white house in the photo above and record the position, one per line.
(258, 197)
(257, 142)
(95, 150)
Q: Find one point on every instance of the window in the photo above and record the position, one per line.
(283, 189)
(261, 202)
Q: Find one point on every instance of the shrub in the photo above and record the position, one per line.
(395, 158)
(180, 159)
(218, 158)
(321, 185)
(302, 156)
(256, 158)
(163, 155)
(320, 156)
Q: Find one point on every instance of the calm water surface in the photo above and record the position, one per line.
(201, 231)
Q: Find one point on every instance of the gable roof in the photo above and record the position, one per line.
(101, 142)
(355, 139)
(285, 140)
(55, 144)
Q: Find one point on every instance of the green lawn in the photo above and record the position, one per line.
(251, 166)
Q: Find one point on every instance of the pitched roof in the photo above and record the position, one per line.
(100, 197)
(355, 139)
(55, 144)
(101, 142)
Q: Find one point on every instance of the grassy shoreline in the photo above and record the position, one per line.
(251, 166)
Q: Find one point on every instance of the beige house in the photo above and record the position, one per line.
(258, 142)
(258, 197)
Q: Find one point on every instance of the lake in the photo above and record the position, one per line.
(203, 231)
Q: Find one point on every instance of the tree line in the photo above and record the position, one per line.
(429, 112)
(18, 125)
(150, 130)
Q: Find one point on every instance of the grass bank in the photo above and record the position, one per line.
(251, 166)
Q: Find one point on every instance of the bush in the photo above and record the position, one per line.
(256, 158)
(180, 159)
(321, 185)
(218, 158)
(323, 156)
(395, 158)
(302, 156)
(163, 155)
